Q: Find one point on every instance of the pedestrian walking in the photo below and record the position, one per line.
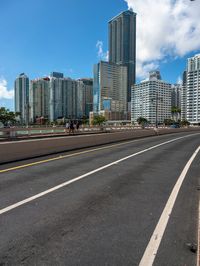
(156, 131)
(67, 127)
(71, 127)
(77, 125)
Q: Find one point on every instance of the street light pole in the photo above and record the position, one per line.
(157, 109)
(156, 99)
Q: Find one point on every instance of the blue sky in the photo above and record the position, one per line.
(40, 36)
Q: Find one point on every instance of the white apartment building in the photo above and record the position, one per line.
(151, 99)
(39, 98)
(184, 97)
(56, 97)
(193, 90)
(64, 99)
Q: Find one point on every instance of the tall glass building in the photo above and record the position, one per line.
(122, 44)
(110, 88)
(22, 97)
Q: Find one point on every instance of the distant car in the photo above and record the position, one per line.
(175, 126)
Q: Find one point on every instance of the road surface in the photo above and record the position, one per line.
(102, 206)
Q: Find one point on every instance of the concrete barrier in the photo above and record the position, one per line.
(17, 150)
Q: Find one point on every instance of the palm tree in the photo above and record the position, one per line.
(175, 113)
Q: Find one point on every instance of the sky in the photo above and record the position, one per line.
(70, 36)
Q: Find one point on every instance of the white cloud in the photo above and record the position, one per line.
(165, 28)
(4, 92)
(101, 54)
(179, 80)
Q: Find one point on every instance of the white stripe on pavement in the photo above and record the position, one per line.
(154, 243)
(50, 138)
(20, 203)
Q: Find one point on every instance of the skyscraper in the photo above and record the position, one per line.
(22, 97)
(184, 97)
(122, 44)
(85, 95)
(39, 98)
(193, 90)
(109, 90)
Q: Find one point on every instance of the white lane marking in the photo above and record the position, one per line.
(154, 243)
(198, 240)
(52, 138)
(13, 206)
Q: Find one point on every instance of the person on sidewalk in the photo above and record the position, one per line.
(67, 127)
(71, 127)
(156, 131)
(77, 125)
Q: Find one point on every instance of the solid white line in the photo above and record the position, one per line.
(154, 243)
(13, 206)
(198, 240)
(52, 138)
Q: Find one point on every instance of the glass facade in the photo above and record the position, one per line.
(110, 88)
(122, 44)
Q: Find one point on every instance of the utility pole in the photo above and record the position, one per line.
(156, 99)
(157, 109)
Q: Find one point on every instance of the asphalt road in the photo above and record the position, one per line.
(108, 214)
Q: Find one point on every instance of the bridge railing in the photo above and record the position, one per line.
(19, 132)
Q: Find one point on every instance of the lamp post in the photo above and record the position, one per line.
(156, 99)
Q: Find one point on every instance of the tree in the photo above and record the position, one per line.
(184, 123)
(99, 120)
(142, 121)
(168, 122)
(175, 112)
(85, 120)
(8, 117)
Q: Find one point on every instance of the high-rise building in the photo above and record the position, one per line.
(176, 101)
(70, 98)
(39, 99)
(22, 97)
(56, 98)
(122, 44)
(152, 100)
(64, 99)
(85, 92)
(193, 90)
(184, 97)
(109, 89)
(176, 95)
(56, 75)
